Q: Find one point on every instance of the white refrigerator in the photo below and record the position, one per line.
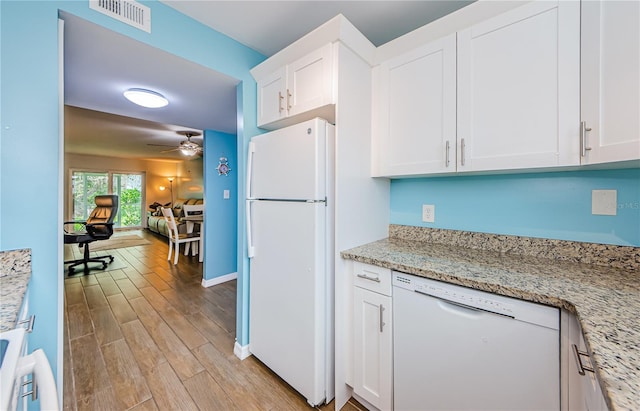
(290, 184)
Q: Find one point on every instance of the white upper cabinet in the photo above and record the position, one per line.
(297, 88)
(272, 97)
(610, 81)
(415, 111)
(518, 89)
(500, 94)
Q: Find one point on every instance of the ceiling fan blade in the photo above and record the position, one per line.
(161, 145)
(168, 151)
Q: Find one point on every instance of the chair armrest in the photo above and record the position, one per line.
(72, 223)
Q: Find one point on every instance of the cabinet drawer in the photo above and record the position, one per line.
(372, 277)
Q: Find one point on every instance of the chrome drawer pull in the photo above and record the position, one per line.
(34, 390)
(366, 277)
(583, 138)
(382, 323)
(579, 354)
(446, 154)
(31, 320)
(280, 98)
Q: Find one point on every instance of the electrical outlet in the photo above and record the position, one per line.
(428, 213)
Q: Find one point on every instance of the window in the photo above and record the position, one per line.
(86, 185)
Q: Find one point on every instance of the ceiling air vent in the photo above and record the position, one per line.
(127, 11)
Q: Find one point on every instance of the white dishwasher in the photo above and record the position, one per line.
(455, 348)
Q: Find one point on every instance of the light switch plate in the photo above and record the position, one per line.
(225, 194)
(604, 202)
(428, 213)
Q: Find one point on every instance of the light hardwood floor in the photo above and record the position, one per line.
(145, 335)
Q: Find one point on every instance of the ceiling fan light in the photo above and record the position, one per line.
(188, 150)
(145, 98)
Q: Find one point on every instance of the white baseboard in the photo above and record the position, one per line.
(240, 351)
(219, 280)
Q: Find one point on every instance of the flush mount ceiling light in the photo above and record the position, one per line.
(146, 98)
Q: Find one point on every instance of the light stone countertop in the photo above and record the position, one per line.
(15, 272)
(606, 300)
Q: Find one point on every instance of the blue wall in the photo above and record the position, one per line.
(30, 183)
(549, 205)
(221, 230)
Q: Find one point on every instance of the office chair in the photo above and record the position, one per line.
(99, 226)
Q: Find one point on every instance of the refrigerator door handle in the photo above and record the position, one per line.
(252, 149)
(251, 250)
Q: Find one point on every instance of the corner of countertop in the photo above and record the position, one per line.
(15, 261)
(15, 273)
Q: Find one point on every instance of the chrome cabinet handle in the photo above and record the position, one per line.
(280, 98)
(288, 100)
(34, 389)
(382, 324)
(462, 148)
(579, 354)
(583, 138)
(366, 277)
(447, 149)
(30, 321)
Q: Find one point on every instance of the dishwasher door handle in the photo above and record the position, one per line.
(462, 305)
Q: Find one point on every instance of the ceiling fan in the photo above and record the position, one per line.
(187, 147)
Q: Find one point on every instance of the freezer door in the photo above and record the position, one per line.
(289, 163)
(288, 293)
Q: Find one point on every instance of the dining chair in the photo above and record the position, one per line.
(176, 238)
(194, 211)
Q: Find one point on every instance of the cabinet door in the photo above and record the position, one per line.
(610, 80)
(416, 98)
(272, 97)
(584, 392)
(518, 89)
(373, 351)
(309, 82)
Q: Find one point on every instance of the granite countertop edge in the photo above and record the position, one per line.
(606, 300)
(13, 290)
(15, 273)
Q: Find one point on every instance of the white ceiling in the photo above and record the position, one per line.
(270, 26)
(100, 64)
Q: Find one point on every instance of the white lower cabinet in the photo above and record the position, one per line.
(373, 336)
(582, 389)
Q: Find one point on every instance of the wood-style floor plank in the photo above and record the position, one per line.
(127, 380)
(180, 357)
(121, 308)
(168, 391)
(79, 320)
(89, 370)
(74, 292)
(182, 327)
(109, 286)
(205, 390)
(144, 349)
(224, 371)
(106, 327)
(128, 288)
(95, 296)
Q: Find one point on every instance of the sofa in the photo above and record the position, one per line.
(155, 220)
